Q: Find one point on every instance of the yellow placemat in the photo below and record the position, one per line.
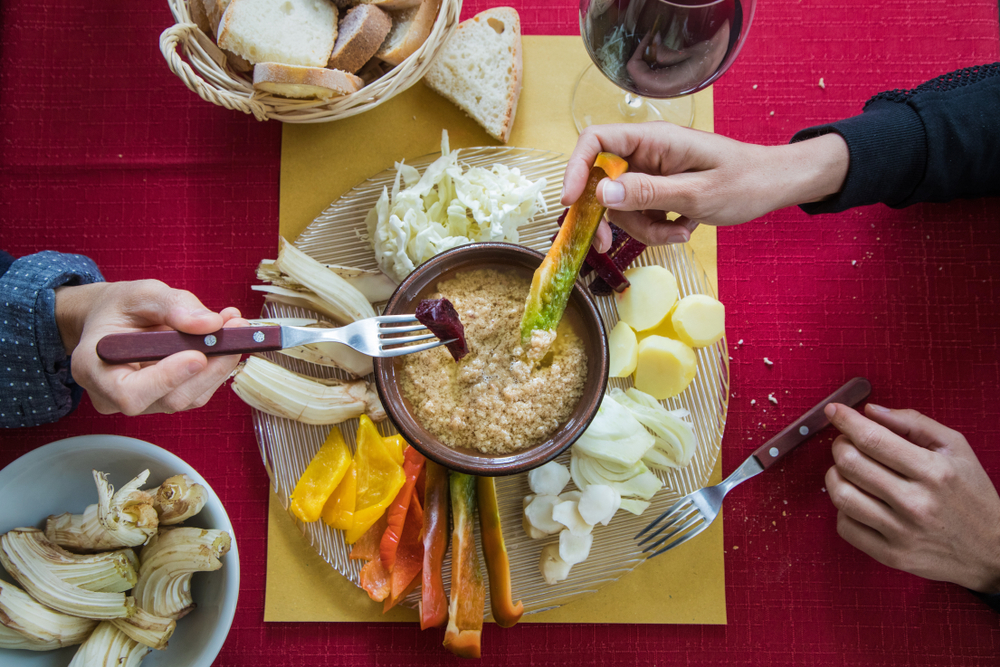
(321, 162)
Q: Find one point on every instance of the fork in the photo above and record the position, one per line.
(375, 336)
(696, 511)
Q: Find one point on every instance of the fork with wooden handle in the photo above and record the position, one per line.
(374, 336)
(696, 511)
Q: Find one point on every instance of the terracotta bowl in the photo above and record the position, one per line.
(418, 285)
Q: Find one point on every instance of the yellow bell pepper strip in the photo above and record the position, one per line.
(505, 612)
(321, 477)
(379, 480)
(339, 509)
(553, 280)
(433, 601)
(398, 510)
(396, 444)
(468, 593)
(409, 557)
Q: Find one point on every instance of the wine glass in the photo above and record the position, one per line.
(659, 52)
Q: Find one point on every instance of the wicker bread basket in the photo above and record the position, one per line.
(205, 70)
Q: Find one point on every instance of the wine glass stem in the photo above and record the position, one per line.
(632, 104)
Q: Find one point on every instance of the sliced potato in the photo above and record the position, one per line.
(624, 348)
(650, 297)
(665, 367)
(665, 328)
(699, 320)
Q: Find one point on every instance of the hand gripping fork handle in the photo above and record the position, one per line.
(696, 511)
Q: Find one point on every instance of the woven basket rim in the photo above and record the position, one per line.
(204, 69)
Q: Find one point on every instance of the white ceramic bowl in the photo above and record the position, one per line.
(57, 478)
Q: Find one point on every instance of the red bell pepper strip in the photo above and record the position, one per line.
(413, 463)
(433, 601)
(505, 612)
(468, 593)
(409, 556)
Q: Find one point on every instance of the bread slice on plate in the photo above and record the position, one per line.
(479, 69)
(292, 32)
(410, 29)
(360, 34)
(304, 83)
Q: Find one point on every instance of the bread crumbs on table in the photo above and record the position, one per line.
(771, 398)
(753, 401)
(821, 84)
(768, 362)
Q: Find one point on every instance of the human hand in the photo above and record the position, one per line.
(87, 313)
(704, 177)
(912, 495)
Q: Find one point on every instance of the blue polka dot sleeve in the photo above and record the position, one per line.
(36, 385)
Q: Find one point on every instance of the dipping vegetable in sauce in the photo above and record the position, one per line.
(495, 400)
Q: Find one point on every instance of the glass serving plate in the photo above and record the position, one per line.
(338, 236)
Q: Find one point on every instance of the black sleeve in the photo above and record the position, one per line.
(937, 142)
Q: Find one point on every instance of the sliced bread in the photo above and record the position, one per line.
(214, 9)
(390, 5)
(308, 83)
(479, 69)
(410, 29)
(200, 17)
(360, 34)
(291, 32)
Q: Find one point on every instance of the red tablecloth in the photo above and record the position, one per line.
(104, 152)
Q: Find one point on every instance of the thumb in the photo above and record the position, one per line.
(635, 192)
(156, 303)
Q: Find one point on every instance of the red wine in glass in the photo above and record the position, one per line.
(662, 48)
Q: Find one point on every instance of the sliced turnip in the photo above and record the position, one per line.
(529, 529)
(598, 504)
(550, 479)
(570, 495)
(568, 514)
(554, 569)
(574, 548)
(539, 514)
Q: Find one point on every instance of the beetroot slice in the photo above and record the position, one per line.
(441, 318)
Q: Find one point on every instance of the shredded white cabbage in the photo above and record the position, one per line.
(447, 207)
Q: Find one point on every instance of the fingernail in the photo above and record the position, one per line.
(830, 410)
(878, 408)
(193, 368)
(677, 238)
(200, 312)
(614, 193)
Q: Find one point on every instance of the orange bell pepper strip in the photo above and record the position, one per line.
(374, 578)
(409, 556)
(339, 509)
(321, 477)
(366, 548)
(398, 511)
(505, 612)
(433, 601)
(554, 278)
(468, 593)
(379, 480)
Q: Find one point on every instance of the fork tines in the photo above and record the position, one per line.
(684, 520)
(391, 344)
